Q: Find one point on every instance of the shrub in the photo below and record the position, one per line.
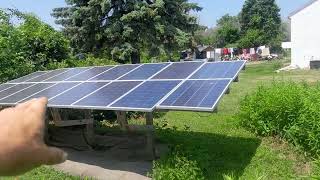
(176, 167)
(28, 46)
(287, 109)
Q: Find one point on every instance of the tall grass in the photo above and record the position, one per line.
(287, 109)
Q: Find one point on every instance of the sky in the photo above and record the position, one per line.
(212, 9)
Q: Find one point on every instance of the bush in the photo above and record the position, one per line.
(176, 167)
(29, 46)
(287, 109)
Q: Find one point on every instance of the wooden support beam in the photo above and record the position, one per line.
(89, 127)
(122, 119)
(150, 146)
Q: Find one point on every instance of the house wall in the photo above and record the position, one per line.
(305, 36)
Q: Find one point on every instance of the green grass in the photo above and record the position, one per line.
(214, 146)
(224, 150)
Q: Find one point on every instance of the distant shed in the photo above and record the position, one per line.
(305, 34)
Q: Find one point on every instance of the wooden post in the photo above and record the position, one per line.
(122, 119)
(150, 146)
(89, 127)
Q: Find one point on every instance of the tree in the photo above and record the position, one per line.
(262, 17)
(228, 30)
(28, 46)
(123, 28)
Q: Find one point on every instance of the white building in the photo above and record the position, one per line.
(305, 34)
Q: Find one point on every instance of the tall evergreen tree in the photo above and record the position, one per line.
(260, 18)
(122, 28)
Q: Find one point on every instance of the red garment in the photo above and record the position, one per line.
(225, 51)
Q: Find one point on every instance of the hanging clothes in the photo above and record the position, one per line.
(225, 51)
(252, 51)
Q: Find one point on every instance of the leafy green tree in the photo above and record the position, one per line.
(263, 17)
(123, 28)
(28, 46)
(228, 30)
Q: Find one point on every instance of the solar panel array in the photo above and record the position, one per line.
(195, 86)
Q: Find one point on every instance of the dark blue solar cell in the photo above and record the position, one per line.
(144, 72)
(28, 77)
(196, 93)
(70, 73)
(147, 95)
(219, 70)
(22, 91)
(76, 93)
(115, 72)
(108, 94)
(48, 75)
(5, 86)
(53, 91)
(178, 70)
(90, 73)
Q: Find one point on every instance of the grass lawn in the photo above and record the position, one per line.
(216, 146)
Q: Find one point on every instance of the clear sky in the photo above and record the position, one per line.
(212, 9)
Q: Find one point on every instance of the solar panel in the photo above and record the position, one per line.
(115, 72)
(53, 91)
(86, 75)
(47, 75)
(68, 74)
(145, 96)
(195, 86)
(22, 91)
(103, 97)
(76, 93)
(196, 95)
(178, 70)
(28, 77)
(144, 72)
(5, 86)
(219, 70)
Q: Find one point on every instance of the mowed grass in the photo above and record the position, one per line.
(218, 146)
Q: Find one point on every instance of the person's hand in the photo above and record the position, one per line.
(22, 146)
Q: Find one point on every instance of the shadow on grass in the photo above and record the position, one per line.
(217, 155)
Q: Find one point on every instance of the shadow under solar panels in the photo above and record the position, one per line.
(197, 95)
(146, 96)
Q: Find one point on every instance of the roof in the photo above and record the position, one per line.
(302, 8)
